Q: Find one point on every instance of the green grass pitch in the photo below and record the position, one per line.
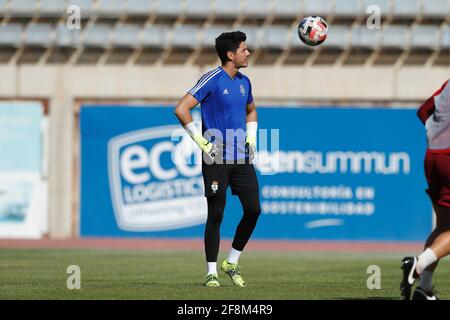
(170, 275)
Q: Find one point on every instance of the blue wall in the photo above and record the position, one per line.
(340, 173)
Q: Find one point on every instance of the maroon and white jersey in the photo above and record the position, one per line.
(435, 114)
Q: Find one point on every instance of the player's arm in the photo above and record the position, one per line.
(252, 115)
(426, 109)
(252, 127)
(183, 113)
(183, 109)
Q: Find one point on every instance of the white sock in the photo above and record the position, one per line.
(212, 267)
(233, 256)
(426, 258)
(426, 281)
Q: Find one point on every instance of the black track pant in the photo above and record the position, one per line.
(216, 205)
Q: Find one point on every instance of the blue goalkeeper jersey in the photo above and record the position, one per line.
(223, 105)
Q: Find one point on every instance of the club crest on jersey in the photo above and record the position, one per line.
(242, 90)
(215, 186)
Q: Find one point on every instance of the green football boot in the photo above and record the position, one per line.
(212, 280)
(232, 269)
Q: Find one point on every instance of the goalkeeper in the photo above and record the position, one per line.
(228, 141)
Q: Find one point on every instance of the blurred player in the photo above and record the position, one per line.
(435, 114)
(228, 141)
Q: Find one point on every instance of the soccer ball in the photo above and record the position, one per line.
(312, 30)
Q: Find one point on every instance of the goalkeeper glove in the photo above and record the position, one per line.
(210, 149)
(250, 141)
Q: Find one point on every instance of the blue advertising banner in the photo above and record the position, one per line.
(328, 173)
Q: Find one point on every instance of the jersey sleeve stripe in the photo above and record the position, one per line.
(203, 77)
(203, 82)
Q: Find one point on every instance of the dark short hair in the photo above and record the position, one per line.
(229, 41)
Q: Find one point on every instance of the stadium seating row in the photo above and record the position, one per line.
(205, 8)
(134, 36)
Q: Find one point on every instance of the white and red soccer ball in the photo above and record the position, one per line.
(313, 30)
